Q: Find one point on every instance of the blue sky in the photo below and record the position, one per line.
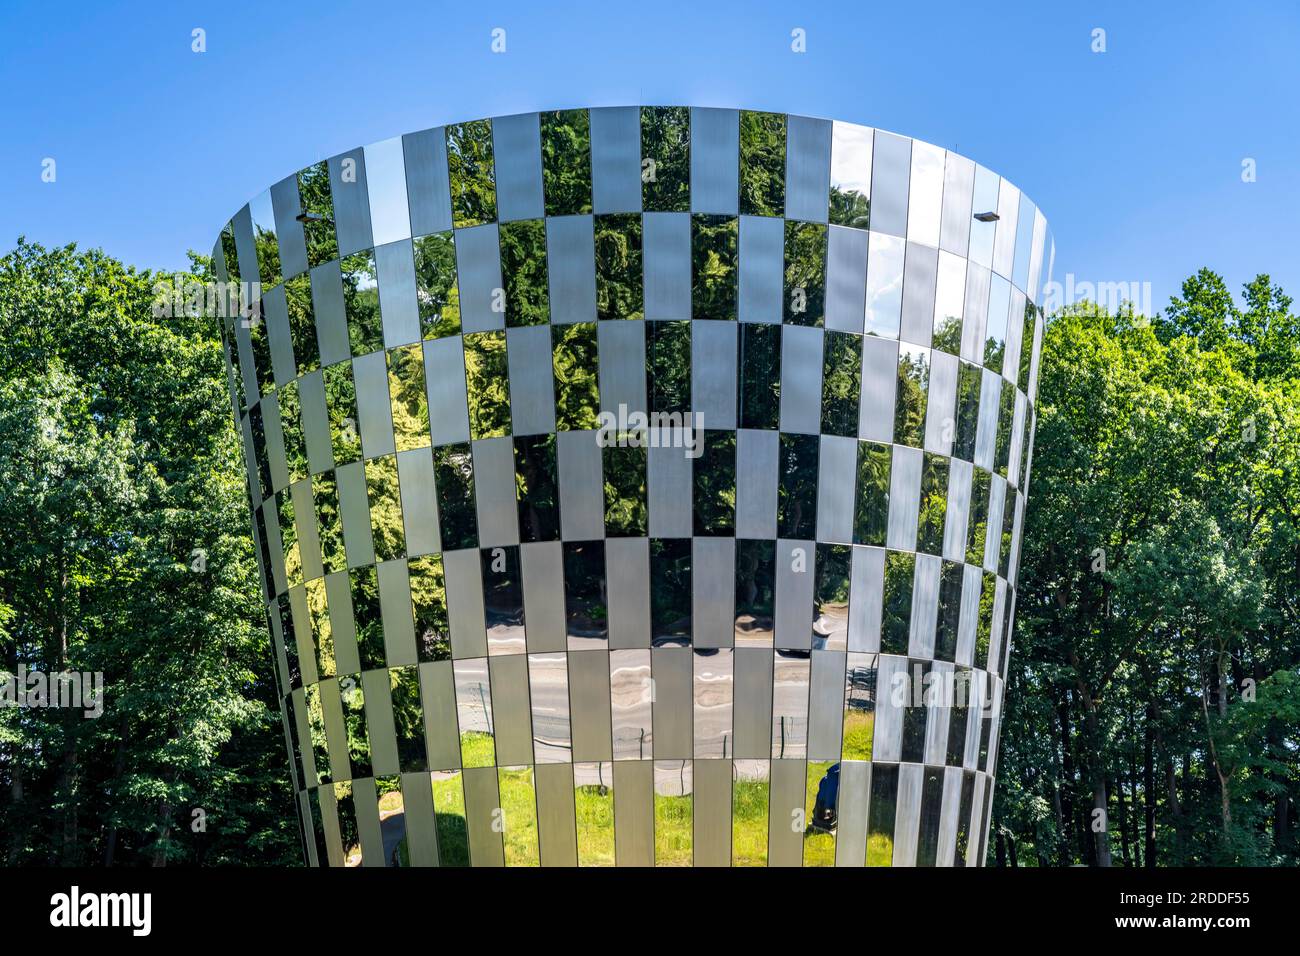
(1134, 155)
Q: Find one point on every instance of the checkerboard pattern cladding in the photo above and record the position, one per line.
(639, 486)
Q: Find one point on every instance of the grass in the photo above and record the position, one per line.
(477, 749)
(859, 725)
(672, 830)
(880, 850)
(749, 799)
(818, 845)
(595, 813)
(449, 818)
(519, 812)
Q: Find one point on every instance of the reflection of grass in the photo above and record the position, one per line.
(880, 850)
(449, 818)
(595, 826)
(749, 823)
(672, 830)
(477, 749)
(818, 846)
(858, 728)
(519, 809)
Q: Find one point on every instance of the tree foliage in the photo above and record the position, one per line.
(124, 549)
(1151, 717)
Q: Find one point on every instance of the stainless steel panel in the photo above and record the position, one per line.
(465, 603)
(616, 159)
(582, 491)
(807, 168)
(795, 564)
(762, 261)
(667, 254)
(478, 274)
(713, 580)
(517, 157)
(571, 258)
(715, 156)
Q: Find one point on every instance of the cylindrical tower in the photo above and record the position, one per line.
(639, 486)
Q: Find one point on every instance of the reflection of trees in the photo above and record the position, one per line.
(535, 488)
(805, 269)
(909, 409)
(347, 816)
(288, 537)
(947, 334)
(566, 162)
(979, 516)
(848, 207)
(366, 617)
(949, 616)
(453, 473)
(762, 163)
(295, 444)
(796, 506)
(316, 728)
(666, 142)
(968, 411)
(341, 406)
(618, 267)
(984, 623)
(760, 375)
(668, 366)
(318, 204)
(386, 525)
(523, 272)
(871, 513)
(302, 323)
(577, 390)
(755, 587)
(934, 504)
(841, 383)
(487, 384)
(670, 590)
(268, 255)
(715, 485)
(325, 495)
(625, 491)
(470, 173)
(410, 404)
(408, 718)
(361, 303)
(353, 699)
(322, 631)
(584, 580)
(1026, 346)
(1006, 418)
(436, 292)
(897, 613)
(713, 266)
(429, 605)
(831, 596)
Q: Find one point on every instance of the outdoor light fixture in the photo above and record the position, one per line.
(986, 216)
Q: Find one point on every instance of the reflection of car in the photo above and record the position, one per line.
(828, 791)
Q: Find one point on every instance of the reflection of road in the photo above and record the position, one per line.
(549, 685)
(393, 830)
(790, 707)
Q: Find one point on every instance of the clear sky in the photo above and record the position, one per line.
(1134, 155)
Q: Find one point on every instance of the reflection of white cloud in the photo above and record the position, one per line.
(884, 283)
(851, 157)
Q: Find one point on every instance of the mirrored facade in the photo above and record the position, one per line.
(639, 486)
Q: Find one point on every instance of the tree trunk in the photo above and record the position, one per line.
(1149, 787)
